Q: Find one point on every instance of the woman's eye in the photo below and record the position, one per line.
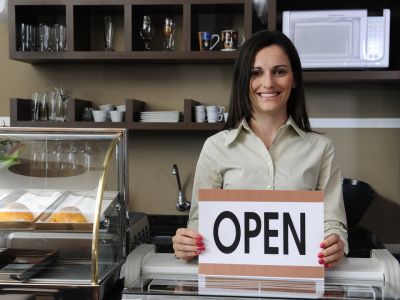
(280, 72)
(256, 73)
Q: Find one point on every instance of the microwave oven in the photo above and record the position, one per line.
(339, 38)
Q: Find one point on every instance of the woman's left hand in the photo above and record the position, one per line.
(332, 251)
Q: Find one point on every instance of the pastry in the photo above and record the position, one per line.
(68, 214)
(14, 212)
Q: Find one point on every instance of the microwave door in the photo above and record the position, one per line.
(328, 41)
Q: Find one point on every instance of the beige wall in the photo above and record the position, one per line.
(372, 155)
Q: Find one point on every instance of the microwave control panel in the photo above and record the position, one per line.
(375, 38)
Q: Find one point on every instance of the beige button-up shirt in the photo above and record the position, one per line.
(296, 160)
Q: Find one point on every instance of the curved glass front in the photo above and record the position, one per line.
(49, 183)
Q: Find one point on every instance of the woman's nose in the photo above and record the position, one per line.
(267, 80)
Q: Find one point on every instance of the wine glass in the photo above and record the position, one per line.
(169, 34)
(146, 32)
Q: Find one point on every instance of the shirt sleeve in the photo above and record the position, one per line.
(330, 182)
(207, 176)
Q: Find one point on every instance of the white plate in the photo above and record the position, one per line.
(159, 112)
(159, 121)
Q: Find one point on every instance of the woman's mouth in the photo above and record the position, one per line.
(268, 95)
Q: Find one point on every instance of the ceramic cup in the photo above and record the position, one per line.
(215, 109)
(106, 107)
(100, 115)
(121, 107)
(200, 117)
(230, 40)
(116, 115)
(213, 117)
(206, 40)
(226, 116)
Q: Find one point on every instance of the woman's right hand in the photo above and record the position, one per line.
(187, 244)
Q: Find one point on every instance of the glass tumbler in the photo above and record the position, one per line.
(108, 33)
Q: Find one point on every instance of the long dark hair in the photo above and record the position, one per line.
(240, 105)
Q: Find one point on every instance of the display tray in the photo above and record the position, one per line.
(22, 264)
(85, 214)
(51, 202)
(25, 204)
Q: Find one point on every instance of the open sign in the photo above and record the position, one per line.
(261, 233)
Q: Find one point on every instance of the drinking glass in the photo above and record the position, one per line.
(52, 104)
(108, 33)
(169, 34)
(28, 37)
(44, 37)
(35, 107)
(71, 157)
(86, 156)
(146, 32)
(62, 41)
(55, 37)
(43, 107)
(65, 94)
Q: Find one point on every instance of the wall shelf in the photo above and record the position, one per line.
(20, 113)
(84, 27)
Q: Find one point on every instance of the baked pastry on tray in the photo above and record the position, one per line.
(68, 214)
(15, 212)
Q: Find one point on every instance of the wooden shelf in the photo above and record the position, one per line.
(350, 76)
(123, 57)
(83, 22)
(20, 115)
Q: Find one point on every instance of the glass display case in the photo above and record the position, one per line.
(62, 210)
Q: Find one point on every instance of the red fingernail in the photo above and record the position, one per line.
(199, 243)
(320, 255)
(326, 265)
(198, 252)
(201, 248)
(198, 237)
(322, 245)
(321, 261)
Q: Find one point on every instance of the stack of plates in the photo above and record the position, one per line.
(159, 116)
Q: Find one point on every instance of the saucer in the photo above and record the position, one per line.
(228, 50)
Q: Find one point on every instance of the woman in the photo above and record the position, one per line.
(268, 144)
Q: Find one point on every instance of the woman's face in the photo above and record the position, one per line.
(271, 81)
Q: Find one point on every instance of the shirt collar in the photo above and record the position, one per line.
(301, 133)
(244, 126)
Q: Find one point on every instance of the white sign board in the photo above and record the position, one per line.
(261, 233)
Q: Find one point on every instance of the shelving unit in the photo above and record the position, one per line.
(83, 18)
(83, 21)
(20, 115)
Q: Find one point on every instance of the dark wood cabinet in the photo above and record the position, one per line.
(83, 20)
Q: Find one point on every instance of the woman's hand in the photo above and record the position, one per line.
(187, 244)
(332, 251)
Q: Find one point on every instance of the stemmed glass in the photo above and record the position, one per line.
(169, 34)
(65, 94)
(146, 32)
